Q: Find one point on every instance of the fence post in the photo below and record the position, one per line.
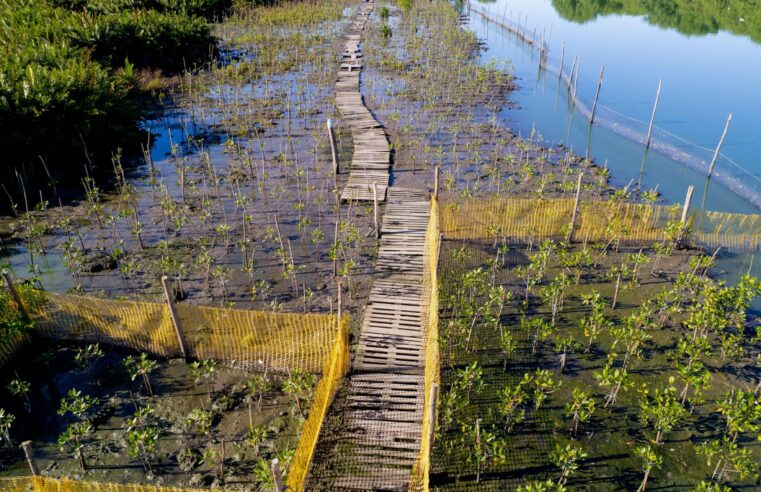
(277, 475)
(575, 208)
(718, 148)
(29, 454)
(340, 300)
(652, 116)
(16, 297)
(685, 211)
(333, 152)
(438, 251)
(597, 96)
(375, 210)
(432, 399)
(436, 172)
(175, 318)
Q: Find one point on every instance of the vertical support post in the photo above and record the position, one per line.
(277, 475)
(16, 297)
(575, 207)
(175, 318)
(432, 399)
(340, 300)
(597, 95)
(562, 61)
(29, 454)
(333, 152)
(375, 210)
(652, 116)
(438, 250)
(685, 211)
(436, 172)
(718, 148)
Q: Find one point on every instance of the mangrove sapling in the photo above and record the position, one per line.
(632, 335)
(554, 293)
(256, 387)
(204, 370)
(620, 273)
(141, 367)
(256, 437)
(82, 407)
(636, 260)
(73, 437)
(544, 385)
(20, 388)
(201, 420)
(650, 459)
(508, 345)
(706, 486)
(662, 410)
(299, 386)
(595, 323)
(511, 399)
(742, 409)
(580, 410)
(728, 459)
(86, 356)
(576, 263)
(6, 421)
(691, 369)
(470, 378)
(546, 486)
(567, 459)
(615, 379)
(142, 444)
(539, 330)
(451, 407)
(564, 346)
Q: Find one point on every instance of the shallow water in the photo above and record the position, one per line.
(706, 75)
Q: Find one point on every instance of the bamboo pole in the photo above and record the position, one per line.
(597, 95)
(333, 152)
(16, 297)
(277, 475)
(685, 211)
(29, 455)
(175, 318)
(562, 61)
(575, 207)
(652, 116)
(436, 172)
(375, 210)
(718, 148)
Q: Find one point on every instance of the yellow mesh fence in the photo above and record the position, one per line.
(533, 219)
(251, 338)
(336, 366)
(429, 314)
(45, 484)
(11, 346)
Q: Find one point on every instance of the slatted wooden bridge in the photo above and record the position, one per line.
(372, 154)
(382, 408)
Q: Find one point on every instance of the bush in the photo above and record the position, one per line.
(406, 5)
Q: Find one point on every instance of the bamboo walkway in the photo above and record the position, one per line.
(372, 154)
(382, 408)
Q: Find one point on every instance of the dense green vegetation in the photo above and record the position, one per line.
(70, 75)
(687, 16)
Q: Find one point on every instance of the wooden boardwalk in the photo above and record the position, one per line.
(382, 408)
(372, 153)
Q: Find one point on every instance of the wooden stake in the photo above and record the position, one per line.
(277, 475)
(436, 172)
(597, 95)
(175, 318)
(340, 300)
(652, 116)
(575, 207)
(432, 399)
(615, 294)
(16, 297)
(438, 250)
(29, 454)
(333, 152)
(718, 148)
(685, 211)
(562, 61)
(375, 210)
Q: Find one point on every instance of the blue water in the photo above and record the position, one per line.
(705, 77)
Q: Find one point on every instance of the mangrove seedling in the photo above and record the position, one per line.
(469, 378)
(142, 445)
(256, 436)
(256, 387)
(546, 486)
(539, 329)
(650, 459)
(742, 410)
(508, 346)
(141, 367)
(79, 406)
(6, 420)
(299, 386)
(728, 459)
(663, 411)
(204, 370)
(200, 419)
(87, 355)
(20, 388)
(564, 346)
(74, 437)
(544, 385)
(612, 378)
(580, 410)
(511, 399)
(567, 458)
(595, 323)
